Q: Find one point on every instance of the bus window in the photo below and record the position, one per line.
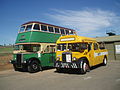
(71, 32)
(46, 49)
(89, 46)
(101, 45)
(28, 28)
(50, 29)
(95, 46)
(22, 28)
(57, 30)
(67, 32)
(43, 28)
(28, 47)
(61, 47)
(62, 31)
(36, 27)
(52, 48)
(77, 47)
(16, 47)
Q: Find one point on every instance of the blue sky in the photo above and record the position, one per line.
(89, 17)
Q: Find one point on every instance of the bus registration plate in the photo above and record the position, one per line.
(68, 58)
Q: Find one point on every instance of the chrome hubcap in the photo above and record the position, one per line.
(34, 66)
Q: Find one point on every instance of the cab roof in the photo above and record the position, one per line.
(74, 39)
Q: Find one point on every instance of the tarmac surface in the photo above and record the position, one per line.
(99, 78)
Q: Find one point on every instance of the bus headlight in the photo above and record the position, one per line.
(57, 58)
(74, 58)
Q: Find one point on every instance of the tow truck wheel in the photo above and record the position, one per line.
(15, 68)
(84, 68)
(58, 70)
(33, 66)
(104, 61)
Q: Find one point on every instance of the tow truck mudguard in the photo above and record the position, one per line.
(59, 64)
(15, 63)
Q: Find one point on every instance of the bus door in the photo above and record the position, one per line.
(48, 56)
(96, 54)
(93, 53)
(52, 54)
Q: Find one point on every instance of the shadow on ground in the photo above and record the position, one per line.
(77, 71)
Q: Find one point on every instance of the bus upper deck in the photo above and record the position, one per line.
(35, 32)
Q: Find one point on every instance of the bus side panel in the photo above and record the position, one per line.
(47, 59)
(37, 37)
(104, 53)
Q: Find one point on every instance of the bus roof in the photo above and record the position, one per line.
(45, 24)
(74, 39)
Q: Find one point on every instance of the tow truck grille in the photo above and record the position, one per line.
(19, 59)
(66, 57)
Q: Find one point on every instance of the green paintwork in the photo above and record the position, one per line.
(46, 59)
(35, 36)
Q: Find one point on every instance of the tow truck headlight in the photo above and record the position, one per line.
(74, 58)
(57, 58)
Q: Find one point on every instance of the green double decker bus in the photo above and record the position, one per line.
(35, 45)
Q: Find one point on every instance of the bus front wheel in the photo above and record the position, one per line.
(84, 68)
(33, 66)
(15, 68)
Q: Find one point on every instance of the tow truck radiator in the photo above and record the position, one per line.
(19, 59)
(66, 57)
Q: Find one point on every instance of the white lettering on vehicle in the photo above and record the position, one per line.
(39, 55)
(67, 39)
(100, 54)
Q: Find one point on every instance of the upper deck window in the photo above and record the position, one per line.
(22, 28)
(36, 27)
(43, 28)
(67, 32)
(57, 30)
(71, 32)
(95, 46)
(50, 29)
(62, 31)
(28, 28)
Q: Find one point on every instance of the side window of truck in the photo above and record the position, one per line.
(46, 49)
(95, 46)
(52, 49)
(101, 45)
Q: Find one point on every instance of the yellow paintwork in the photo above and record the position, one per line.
(93, 56)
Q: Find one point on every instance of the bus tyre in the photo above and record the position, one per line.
(59, 70)
(84, 67)
(33, 66)
(104, 62)
(15, 68)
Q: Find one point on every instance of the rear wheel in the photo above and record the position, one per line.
(34, 66)
(104, 61)
(59, 70)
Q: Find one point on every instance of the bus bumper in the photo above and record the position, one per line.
(59, 64)
(18, 65)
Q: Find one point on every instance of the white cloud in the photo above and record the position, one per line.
(87, 21)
